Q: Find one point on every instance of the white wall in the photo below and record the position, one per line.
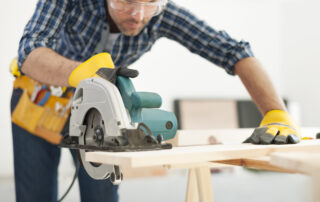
(168, 69)
(300, 37)
(178, 73)
(14, 15)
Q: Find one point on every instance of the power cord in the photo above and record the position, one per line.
(73, 180)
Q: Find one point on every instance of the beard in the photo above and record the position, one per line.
(132, 27)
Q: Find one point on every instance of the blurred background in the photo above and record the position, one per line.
(284, 35)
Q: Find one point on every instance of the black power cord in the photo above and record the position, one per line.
(73, 180)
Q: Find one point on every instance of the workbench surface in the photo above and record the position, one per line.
(197, 154)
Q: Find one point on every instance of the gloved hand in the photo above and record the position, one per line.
(277, 127)
(100, 65)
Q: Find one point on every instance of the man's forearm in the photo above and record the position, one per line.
(258, 85)
(46, 66)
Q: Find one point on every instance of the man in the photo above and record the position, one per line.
(62, 34)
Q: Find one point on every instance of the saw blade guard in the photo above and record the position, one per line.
(97, 108)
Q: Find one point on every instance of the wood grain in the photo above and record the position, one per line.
(224, 136)
(196, 154)
(262, 163)
(304, 162)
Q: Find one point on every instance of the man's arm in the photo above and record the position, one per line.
(45, 65)
(36, 55)
(236, 58)
(277, 126)
(258, 85)
(180, 25)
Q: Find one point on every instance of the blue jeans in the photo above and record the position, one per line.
(36, 169)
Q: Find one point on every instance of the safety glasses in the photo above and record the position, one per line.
(133, 7)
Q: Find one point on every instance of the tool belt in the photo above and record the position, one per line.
(41, 114)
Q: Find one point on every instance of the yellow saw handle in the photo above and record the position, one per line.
(90, 67)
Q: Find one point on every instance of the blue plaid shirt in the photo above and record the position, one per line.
(73, 29)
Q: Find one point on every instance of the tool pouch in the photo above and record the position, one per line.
(42, 121)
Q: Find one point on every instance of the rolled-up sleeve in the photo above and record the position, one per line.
(216, 46)
(44, 27)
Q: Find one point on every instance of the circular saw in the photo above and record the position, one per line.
(115, 118)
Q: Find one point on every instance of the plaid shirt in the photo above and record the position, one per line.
(73, 29)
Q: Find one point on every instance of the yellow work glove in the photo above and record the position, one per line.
(100, 65)
(277, 127)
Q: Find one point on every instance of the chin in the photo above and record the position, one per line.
(131, 32)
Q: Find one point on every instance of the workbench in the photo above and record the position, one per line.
(193, 150)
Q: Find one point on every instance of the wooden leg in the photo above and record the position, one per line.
(204, 184)
(315, 186)
(192, 187)
(199, 185)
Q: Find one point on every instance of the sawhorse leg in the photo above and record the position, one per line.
(199, 186)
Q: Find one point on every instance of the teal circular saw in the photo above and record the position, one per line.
(115, 118)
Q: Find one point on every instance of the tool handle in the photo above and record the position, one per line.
(146, 100)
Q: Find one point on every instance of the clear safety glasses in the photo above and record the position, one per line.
(133, 7)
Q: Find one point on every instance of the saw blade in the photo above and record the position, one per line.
(93, 137)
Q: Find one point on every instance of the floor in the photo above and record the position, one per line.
(239, 185)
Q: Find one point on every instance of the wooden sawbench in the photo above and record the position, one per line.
(193, 150)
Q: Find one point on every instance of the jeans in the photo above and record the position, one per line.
(36, 169)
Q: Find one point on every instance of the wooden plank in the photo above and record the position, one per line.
(189, 165)
(262, 163)
(206, 137)
(304, 162)
(224, 136)
(196, 154)
(129, 173)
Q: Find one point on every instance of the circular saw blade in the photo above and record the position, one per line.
(94, 136)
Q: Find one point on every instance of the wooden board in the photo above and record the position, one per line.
(196, 154)
(261, 163)
(206, 137)
(129, 173)
(224, 136)
(304, 162)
